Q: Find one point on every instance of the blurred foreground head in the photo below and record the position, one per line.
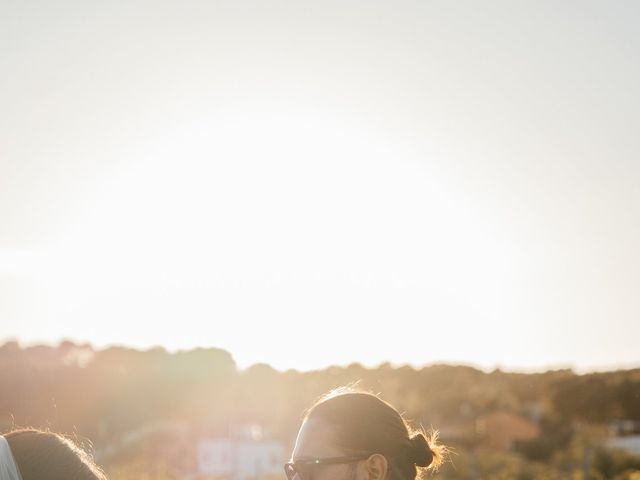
(41, 455)
(354, 435)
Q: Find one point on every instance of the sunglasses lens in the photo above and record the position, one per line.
(301, 470)
(290, 470)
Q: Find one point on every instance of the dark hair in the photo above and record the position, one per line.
(365, 423)
(42, 455)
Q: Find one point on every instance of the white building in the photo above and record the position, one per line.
(630, 444)
(239, 460)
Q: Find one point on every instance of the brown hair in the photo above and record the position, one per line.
(365, 423)
(42, 455)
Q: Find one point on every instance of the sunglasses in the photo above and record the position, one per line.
(304, 468)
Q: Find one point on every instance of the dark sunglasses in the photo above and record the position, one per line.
(304, 467)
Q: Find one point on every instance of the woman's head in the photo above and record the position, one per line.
(364, 437)
(41, 455)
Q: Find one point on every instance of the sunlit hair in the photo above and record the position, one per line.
(365, 423)
(42, 455)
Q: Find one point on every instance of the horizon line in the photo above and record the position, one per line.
(528, 370)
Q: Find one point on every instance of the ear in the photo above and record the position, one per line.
(376, 467)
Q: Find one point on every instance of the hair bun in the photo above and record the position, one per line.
(421, 453)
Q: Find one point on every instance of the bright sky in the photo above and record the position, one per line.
(307, 183)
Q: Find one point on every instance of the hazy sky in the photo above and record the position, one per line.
(313, 182)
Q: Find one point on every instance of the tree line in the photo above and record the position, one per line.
(104, 393)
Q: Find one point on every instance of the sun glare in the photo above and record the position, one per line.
(277, 218)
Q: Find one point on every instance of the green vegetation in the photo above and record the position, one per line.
(108, 394)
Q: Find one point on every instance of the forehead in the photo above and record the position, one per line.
(315, 440)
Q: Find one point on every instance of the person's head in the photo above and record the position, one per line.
(41, 455)
(354, 435)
